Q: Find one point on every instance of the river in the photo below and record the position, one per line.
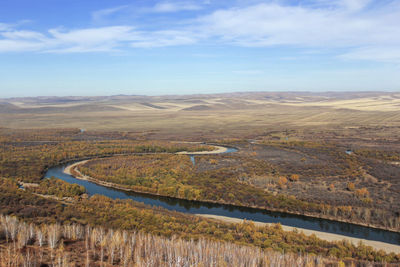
(259, 215)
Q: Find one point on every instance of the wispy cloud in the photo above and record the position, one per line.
(20, 35)
(100, 39)
(164, 38)
(345, 24)
(4, 26)
(166, 7)
(8, 45)
(354, 5)
(388, 54)
(103, 15)
(99, 15)
(364, 29)
(91, 39)
(273, 24)
(12, 40)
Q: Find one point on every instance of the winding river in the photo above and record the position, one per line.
(259, 215)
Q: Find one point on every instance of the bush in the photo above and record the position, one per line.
(294, 177)
(282, 181)
(362, 193)
(350, 186)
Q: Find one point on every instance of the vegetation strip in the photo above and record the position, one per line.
(322, 235)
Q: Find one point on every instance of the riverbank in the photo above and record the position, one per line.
(77, 174)
(387, 247)
(70, 170)
(73, 170)
(321, 235)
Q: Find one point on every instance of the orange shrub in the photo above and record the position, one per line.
(363, 192)
(294, 177)
(213, 161)
(282, 181)
(351, 186)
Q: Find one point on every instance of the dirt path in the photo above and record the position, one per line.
(322, 235)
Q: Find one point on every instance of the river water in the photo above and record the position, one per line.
(197, 207)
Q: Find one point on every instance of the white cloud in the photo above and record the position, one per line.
(166, 7)
(4, 26)
(23, 35)
(354, 26)
(19, 46)
(348, 24)
(355, 5)
(99, 15)
(15, 41)
(93, 36)
(100, 39)
(273, 24)
(56, 40)
(132, 11)
(164, 38)
(388, 54)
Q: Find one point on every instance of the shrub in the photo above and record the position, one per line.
(351, 186)
(282, 181)
(294, 177)
(362, 193)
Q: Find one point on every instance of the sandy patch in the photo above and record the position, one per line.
(218, 150)
(69, 168)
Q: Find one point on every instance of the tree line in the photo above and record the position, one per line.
(78, 245)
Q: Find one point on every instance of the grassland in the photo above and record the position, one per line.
(292, 152)
(205, 116)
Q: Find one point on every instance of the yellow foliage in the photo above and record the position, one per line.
(282, 181)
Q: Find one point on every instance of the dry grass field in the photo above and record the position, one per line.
(201, 116)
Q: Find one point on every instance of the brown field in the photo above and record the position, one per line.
(207, 116)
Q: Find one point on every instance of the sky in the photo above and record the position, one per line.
(146, 47)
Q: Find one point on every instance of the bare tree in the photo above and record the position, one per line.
(40, 236)
(53, 235)
(135, 249)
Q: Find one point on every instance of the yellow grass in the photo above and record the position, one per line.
(212, 114)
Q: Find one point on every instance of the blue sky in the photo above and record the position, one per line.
(107, 47)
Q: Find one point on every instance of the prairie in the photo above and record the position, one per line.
(330, 155)
(205, 116)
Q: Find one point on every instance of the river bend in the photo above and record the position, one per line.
(254, 214)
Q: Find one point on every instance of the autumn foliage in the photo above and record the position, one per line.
(77, 245)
